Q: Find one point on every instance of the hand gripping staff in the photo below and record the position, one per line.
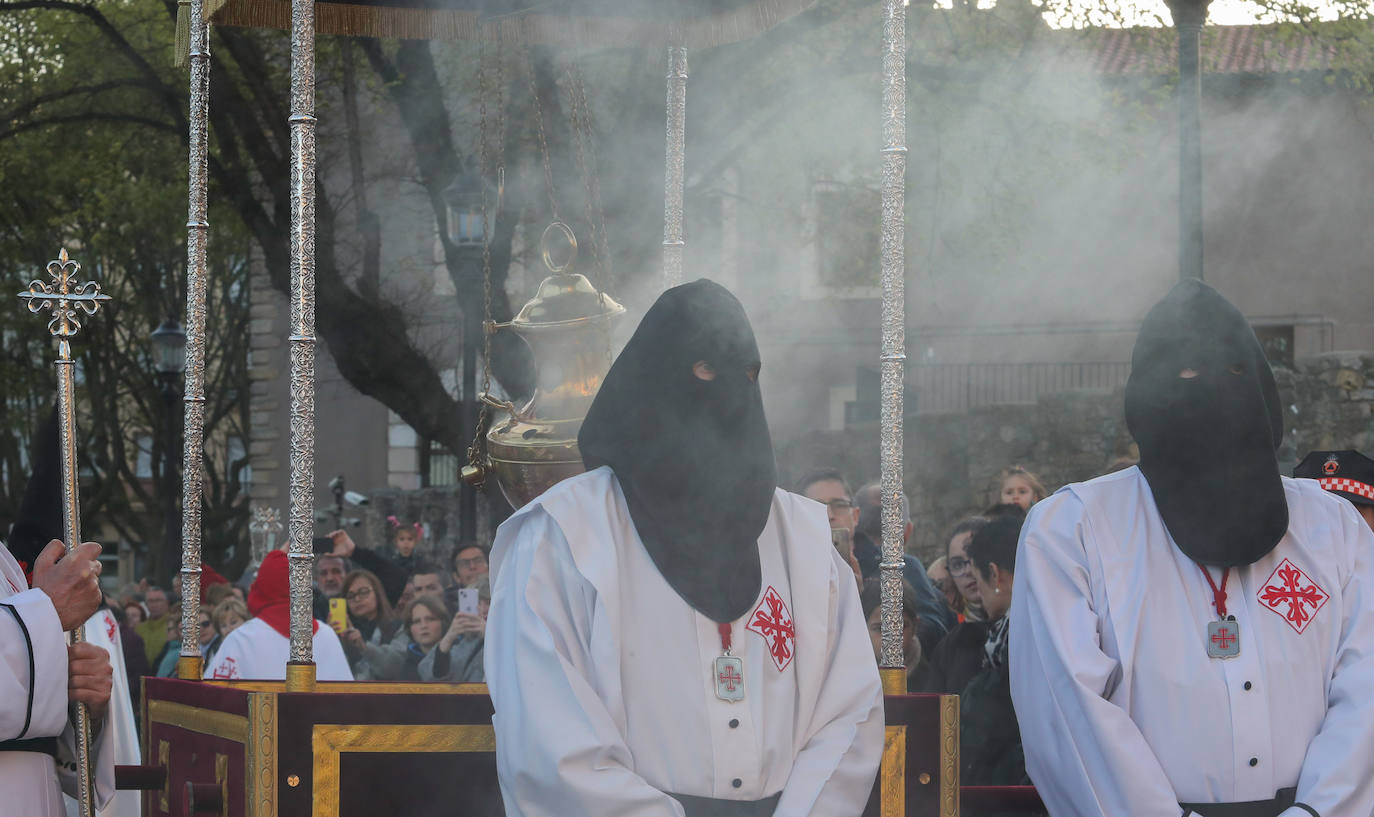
(68, 300)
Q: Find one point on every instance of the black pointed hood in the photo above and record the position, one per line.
(40, 513)
(693, 457)
(1208, 441)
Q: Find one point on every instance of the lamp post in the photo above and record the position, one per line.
(1189, 16)
(467, 237)
(169, 361)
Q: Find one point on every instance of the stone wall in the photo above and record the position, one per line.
(951, 461)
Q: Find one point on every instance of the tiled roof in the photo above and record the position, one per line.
(1225, 50)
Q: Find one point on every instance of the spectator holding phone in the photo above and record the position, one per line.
(376, 642)
(457, 658)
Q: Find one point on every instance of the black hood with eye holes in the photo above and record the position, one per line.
(693, 457)
(1208, 443)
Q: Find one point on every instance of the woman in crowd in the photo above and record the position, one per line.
(375, 642)
(990, 739)
(870, 598)
(959, 654)
(425, 617)
(457, 658)
(135, 613)
(167, 665)
(1020, 487)
(225, 618)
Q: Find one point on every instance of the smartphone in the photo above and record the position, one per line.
(467, 600)
(338, 615)
(321, 544)
(843, 540)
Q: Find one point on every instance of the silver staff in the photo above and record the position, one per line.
(892, 361)
(674, 169)
(68, 300)
(197, 238)
(300, 671)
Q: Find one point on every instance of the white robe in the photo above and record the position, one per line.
(256, 651)
(33, 704)
(602, 676)
(1122, 711)
(103, 631)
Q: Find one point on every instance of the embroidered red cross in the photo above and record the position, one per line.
(228, 670)
(110, 627)
(729, 678)
(775, 625)
(1291, 589)
(1223, 638)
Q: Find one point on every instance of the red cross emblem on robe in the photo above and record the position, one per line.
(1290, 593)
(110, 626)
(772, 620)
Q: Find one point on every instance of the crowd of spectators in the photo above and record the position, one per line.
(954, 613)
(405, 617)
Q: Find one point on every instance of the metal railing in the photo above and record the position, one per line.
(947, 388)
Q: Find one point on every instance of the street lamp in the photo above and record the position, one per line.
(1189, 15)
(169, 361)
(468, 203)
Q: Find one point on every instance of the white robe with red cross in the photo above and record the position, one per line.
(1123, 712)
(604, 681)
(33, 704)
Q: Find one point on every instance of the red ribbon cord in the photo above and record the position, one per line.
(724, 628)
(1218, 593)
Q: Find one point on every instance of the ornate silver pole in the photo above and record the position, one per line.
(67, 299)
(300, 671)
(892, 361)
(675, 164)
(189, 665)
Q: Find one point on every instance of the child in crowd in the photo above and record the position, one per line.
(1020, 487)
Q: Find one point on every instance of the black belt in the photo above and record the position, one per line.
(43, 746)
(711, 807)
(1283, 799)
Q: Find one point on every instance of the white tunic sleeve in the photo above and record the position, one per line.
(1335, 775)
(833, 773)
(33, 672)
(558, 750)
(1084, 753)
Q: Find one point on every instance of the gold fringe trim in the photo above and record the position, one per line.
(181, 47)
(393, 22)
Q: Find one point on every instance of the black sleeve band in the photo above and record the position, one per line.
(1307, 809)
(33, 678)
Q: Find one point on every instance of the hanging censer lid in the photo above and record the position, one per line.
(567, 327)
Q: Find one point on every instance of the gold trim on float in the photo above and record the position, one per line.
(164, 752)
(329, 742)
(949, 756)
(260, 756)
(203, 721)
(363, 687)
(892, 789)
(222, 778)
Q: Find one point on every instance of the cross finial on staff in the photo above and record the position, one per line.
(66, 298)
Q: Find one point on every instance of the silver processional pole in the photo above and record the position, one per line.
(892, 361)
(189, 665)
(68, 299)
(300, 671)
(674, 170)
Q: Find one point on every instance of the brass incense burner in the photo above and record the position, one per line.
(567, 327)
